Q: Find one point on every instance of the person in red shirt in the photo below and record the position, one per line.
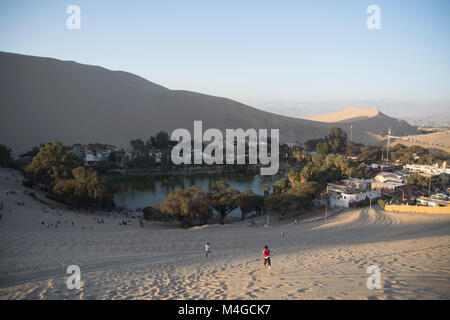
(266, 256)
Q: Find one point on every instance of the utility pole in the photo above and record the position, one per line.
(351, 132)
(388, 143)
(429, 156)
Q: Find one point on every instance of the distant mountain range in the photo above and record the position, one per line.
(44, 99)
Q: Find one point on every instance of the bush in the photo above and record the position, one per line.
(154, 214)
(381, 203)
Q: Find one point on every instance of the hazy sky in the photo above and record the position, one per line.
(249, 50)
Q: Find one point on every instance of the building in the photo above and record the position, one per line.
(157, 155)
(357, 184)
(389, 186)
(380, 167)
(436, 180)
(343, 196)
(437, 176)
(293, 145)
(432, 202)
(90, 159)
(388, 176)
(435, 169)
(387, 166)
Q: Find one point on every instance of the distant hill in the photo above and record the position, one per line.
(436, 140)
(45, 99)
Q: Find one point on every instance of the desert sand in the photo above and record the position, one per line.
(436, 140)
(315, 259)
(346, 114)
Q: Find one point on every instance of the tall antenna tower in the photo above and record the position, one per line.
(388, 144)
(351, 132)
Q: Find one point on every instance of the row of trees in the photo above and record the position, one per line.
(326, 168)
(337, 142)
(62, 174)
(417, 180)
(194, 205)
(417, 154)
(160, 141)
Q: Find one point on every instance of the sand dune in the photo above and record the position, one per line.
(313, 260)
(50, 100)
(352, 114)
(436, 140)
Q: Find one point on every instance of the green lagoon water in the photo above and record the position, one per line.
(143, 192)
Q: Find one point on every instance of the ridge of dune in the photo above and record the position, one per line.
(346, 114)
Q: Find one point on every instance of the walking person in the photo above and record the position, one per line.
(207, 249)
(267, 262)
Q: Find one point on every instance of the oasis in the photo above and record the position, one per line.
(235, 147)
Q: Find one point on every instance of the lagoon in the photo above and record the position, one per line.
(150, 190)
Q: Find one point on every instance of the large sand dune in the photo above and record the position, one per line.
(313, 260)
(46, 99)
(349, 114)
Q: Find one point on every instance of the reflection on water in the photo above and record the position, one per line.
(153, 190)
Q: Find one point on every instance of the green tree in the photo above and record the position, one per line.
(266, 189)
(187, 206)
(50, 164)
(280, 186)
(322, 147)
(223, 199)
(337, 139)
(417, 180)
(246, 202)
(5, 157)
(85, 190)
(138, 146)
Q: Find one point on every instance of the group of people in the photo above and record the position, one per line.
(55, 225)
(20, 203)
(265, 255)
(11, 192)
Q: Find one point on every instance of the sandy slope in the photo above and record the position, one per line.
(436, 140)
(130, 107)
(314, 260)
(346, 114)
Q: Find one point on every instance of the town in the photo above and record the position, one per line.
(331, 172)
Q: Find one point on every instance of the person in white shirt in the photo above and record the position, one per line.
(207, 249)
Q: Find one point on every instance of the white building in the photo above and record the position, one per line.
(430, 202)
(91, 159)
(427, 169)
(388, 176)
(342, 196)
